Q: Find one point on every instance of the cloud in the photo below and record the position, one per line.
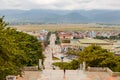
(60, 4)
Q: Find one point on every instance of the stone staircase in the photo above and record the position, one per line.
(69, 75)
(59, 75)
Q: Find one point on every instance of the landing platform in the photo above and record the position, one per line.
(69, 75)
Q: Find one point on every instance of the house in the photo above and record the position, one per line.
(65, 35)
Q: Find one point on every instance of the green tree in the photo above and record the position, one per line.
(74, 64)
(73, 52)
(58, 41)
(17, 49)
(47, 42)
(95, 56)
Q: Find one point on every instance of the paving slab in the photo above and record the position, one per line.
(69, 75)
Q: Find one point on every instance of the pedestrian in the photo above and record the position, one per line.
(64, 71)
(53, 68)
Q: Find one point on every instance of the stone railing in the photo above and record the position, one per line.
(103, 69)
(97, 69)
(31, 68)
(11, 77)
(113, 73)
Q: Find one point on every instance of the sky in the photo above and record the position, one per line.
(60, 4)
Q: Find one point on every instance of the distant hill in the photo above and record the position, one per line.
(61, 16)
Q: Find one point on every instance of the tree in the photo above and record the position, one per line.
(3, 24)
(17, 49)
(57, 39)
(7, 52)
(47, 42)
(73, 65)
(95, 56)
(75, 52)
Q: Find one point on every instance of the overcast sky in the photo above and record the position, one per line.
(60, 4)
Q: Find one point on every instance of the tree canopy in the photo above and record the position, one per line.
(74, 64)
(95, 56)
(17, 49)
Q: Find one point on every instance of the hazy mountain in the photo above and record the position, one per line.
(61, 16)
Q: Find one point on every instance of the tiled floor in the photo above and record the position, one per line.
(100, 76)
(69, 75)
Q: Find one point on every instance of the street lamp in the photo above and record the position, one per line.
(52, 53)
(62, 57)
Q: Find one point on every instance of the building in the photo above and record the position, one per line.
(82, 43)
(65, 37)
(116, 48)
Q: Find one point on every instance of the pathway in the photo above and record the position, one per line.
(49, 74)
(51, 50)
(70, 75)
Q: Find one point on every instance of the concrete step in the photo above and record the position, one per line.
(59, 75)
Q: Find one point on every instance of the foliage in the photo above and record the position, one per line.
(65, 41)
(47, 42)
(75, 52)
(57, 39)
(95, 56)
(17, 49)
(65, 65)
(115, 37)
(101, 37)
(55, 58)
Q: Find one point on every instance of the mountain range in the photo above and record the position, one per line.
(41, 16)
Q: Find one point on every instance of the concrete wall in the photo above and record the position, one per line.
(97, 69)
(103, 69)
(31, 68)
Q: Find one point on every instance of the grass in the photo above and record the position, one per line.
(55, 58)
(93, 41)
(64, 27)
